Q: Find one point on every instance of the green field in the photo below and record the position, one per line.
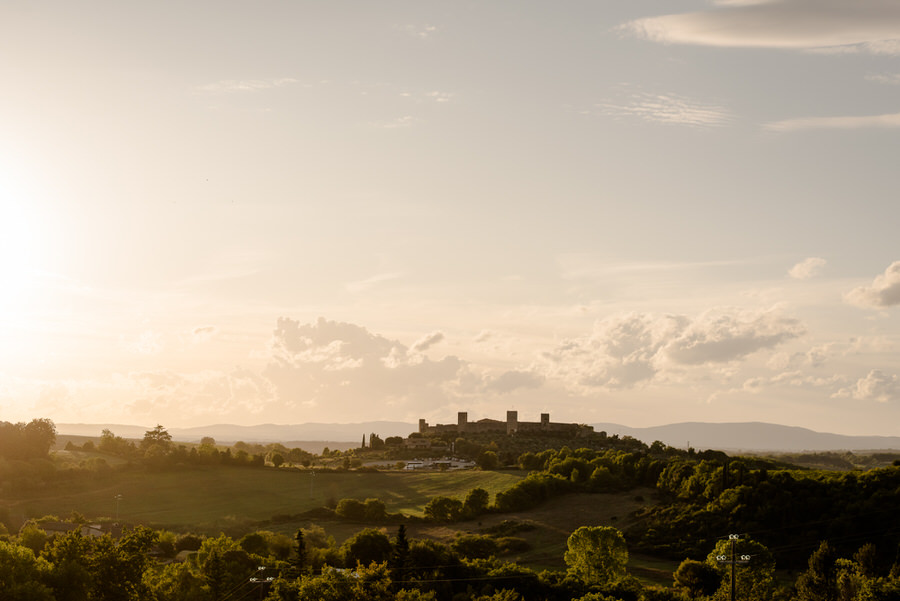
(237, 500)
(195, 497)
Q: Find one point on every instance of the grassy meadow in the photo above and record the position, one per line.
(213, 499)
(203, 497)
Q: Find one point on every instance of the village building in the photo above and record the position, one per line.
(512, 425)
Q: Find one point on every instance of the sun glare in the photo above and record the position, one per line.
(21, 245)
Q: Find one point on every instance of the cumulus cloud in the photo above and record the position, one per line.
(627, 350)
(513, 380)
(335, 364)
(671, 109)
(426, 342)
(718, 337)
(876, 386)
(884, 291)
(807, 268)
(870, 25)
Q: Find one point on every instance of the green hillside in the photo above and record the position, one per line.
(215, 495)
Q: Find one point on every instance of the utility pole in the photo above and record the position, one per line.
(735, 560)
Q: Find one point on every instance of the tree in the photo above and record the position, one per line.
(476, 502)
(375, 510)
(596, 554)
(40, 436)
(488, 460)
(21, 574)
(819, 581)
(397, 561)
(277, 459)
(365, 547)
(214, 573)
(208, 440)
(157, 436)
(351, 509)
(299, 552)
(443, 509)
(696, 579)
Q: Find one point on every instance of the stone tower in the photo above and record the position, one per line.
(462, 421)
(512, 422)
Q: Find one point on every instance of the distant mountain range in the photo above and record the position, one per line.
(751, 436)
(742, 436)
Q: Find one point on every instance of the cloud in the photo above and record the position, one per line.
(632, 349)
(513, 380)
(214, 395)
(720, 337)
(876, 386)
(889, 120)
(420, 31)
(202, 334)
(868, 25)
(426, 342)
(884, 291)
(398, 123)
(670, 109)
(247, 85)
(892, 79)
(807, 268)
(335, 365)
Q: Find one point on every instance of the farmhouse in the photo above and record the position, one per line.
(512, 425)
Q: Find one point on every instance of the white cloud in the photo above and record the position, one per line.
(870, 25)
(338, 365)
(718, 336)
(876, 386)
(852, 122)
(814, 357)
(807, 268)
(628, 350)
(671, 109)
(884, 291)
(247, 85)
(426, 342)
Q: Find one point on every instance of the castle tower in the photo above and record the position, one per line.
(545, 421)
(462, 421)
(512, 422)
(423, 426)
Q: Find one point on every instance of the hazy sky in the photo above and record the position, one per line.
(640, 212)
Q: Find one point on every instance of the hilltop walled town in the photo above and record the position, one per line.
(512, 425)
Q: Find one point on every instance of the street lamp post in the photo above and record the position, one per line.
(118, 498)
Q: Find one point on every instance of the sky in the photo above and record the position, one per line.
(638, 212)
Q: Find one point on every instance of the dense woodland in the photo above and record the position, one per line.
(799, 533)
